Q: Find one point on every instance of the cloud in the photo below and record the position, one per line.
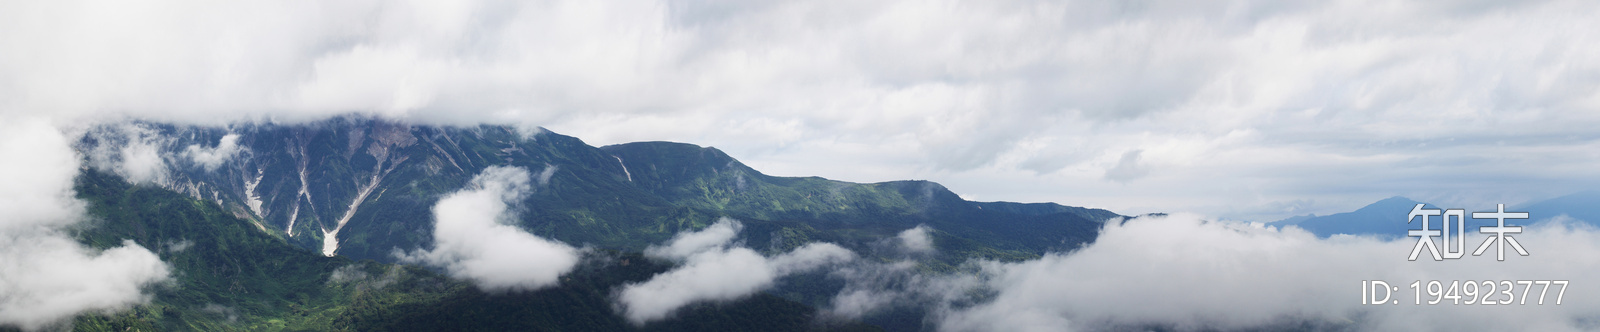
(475, 237)
(916, 240)
(687, 244)
(871, 287)
(178, 246)
(348, 273)
(1261, 101)
(45, 276)
(132, 150)
(713, 269)
(357, 274)
(1248, 107)
(712, 275)
(1189, 274)
(231, 314)
(809, 257)
(1128, 168)
(544, 175)
(211, 158)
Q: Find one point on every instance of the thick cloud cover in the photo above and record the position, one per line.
(714, 269)
(1254, 109)
(475, 237)
(1189, 274)
(46, 276)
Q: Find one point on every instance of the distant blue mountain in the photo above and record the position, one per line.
(1386, 217)
(1584, 206)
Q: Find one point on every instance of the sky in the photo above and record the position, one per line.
(1248, 110)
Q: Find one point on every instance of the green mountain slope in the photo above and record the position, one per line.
(379, 180)
(229, 275)
(255, 226)
(706, 179)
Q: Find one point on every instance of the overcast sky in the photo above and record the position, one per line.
(1232, 109)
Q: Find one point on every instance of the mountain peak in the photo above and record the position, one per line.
(1386, 217)
(1389, 204)
(1580, 205)
(1394, 199)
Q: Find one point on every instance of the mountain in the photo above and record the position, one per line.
(274, 226)
(1384, 218)
(1040, 209)
(1387, 217)
(363, 187)
(228, 275)
(1583, 206)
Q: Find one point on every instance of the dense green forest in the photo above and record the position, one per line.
(229, 275)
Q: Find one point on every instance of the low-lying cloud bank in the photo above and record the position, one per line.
(715, 269)
(1185, 273)
(1268, 102)
(45, 276)
(475, 237)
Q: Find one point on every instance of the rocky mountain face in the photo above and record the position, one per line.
(364, 188)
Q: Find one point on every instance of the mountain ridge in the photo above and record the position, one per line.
(1383, 218)
(363, 186)
(1583, 206)
(352, 192)
(228, 276)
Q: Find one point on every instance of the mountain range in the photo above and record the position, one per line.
(274, 226)
(313, 226)
(361, 188)
(1386, 217)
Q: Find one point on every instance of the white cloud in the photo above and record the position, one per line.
(686, 244)
(1127, 168)
(873, 287)
(1252, 110)
(129, 149)
(211, 158)
(1257, 102)
(713, 270)
(809, 257)
(45, 276)
(916, 240)
(544, 175)
(475, 237)
(709, 276)
(347, 273)
(178, 246)
(354, 273)
(1190, 274)
(229, 313)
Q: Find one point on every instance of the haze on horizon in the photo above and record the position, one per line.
(1233, 109)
